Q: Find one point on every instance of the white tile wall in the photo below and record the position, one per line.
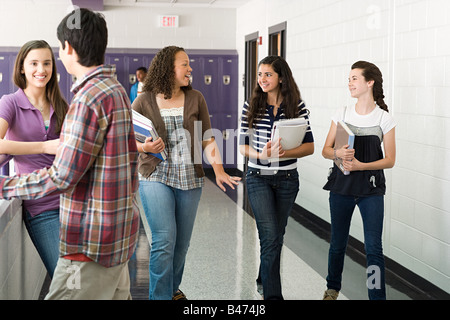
(410, 41)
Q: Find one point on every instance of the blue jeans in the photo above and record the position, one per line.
(44, 233)
(372, 213)
(171, 215)
(271, 198)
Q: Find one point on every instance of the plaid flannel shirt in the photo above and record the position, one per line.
(95, 170)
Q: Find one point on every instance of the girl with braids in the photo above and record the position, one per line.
(365, 187)
(272, 185)
(31, 120)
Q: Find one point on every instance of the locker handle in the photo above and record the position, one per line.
(208, 80)
(226, 80)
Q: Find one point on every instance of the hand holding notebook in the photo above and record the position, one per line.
(292, 132)
(344, 137)
(143, 128)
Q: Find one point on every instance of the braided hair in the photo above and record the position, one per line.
(372, 73)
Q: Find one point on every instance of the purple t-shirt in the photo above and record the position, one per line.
(26, 124)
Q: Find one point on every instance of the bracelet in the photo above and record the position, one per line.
(335, 156)
(142, 145)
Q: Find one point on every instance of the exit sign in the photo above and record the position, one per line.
(168, 21)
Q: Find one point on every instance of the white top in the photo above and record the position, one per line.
(377, 117)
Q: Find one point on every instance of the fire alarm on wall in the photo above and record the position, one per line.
(260, 41)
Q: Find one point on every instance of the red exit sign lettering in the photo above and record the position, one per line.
(168, 21)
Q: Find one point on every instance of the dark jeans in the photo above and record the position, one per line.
(372, 213)
(271, 196)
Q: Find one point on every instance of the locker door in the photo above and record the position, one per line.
(205, 79)
(209, 81)
(196, 74)
(228, 84)
(118, 60)
(228, 105)
(64, 79)
(134, 62)
(6, 87)
(216, 125)
(227, 140)
(5, 74)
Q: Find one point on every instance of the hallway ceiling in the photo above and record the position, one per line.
(179, 3)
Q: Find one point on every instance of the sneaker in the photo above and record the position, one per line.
(330, 294)
(259, 288)
(179, 295)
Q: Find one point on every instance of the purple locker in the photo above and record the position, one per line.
(226, 138)
(216, 77)
(203, 76)
(228, 84)
(65, 81)
(119, 62)
(209, 81)
(196, 74)
(228, 108)
(217, 133)
(134, 62)
(6, 85)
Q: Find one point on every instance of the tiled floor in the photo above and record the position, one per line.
(223, 259)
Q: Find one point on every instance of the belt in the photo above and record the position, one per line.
(270, 172)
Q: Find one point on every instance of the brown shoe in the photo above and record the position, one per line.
(330, 294)
(179, 295)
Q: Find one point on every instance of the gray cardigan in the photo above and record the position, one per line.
(195, 109)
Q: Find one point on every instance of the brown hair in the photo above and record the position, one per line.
(372, 73)
(288, 90)
(161, 73)
(52, 89)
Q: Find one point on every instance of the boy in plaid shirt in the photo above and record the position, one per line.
(95, 170)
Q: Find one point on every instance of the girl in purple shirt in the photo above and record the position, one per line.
(30, 124)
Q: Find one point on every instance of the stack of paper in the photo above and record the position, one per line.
(144, 128)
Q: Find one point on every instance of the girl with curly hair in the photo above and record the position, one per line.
(170, 190)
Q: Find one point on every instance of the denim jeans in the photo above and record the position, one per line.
(271, 198)
(44, 233)
(372, 213)
(171, 215)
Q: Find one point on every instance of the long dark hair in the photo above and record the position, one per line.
(161, 73)
(52, 89)
(288, 90)
(372, 73)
